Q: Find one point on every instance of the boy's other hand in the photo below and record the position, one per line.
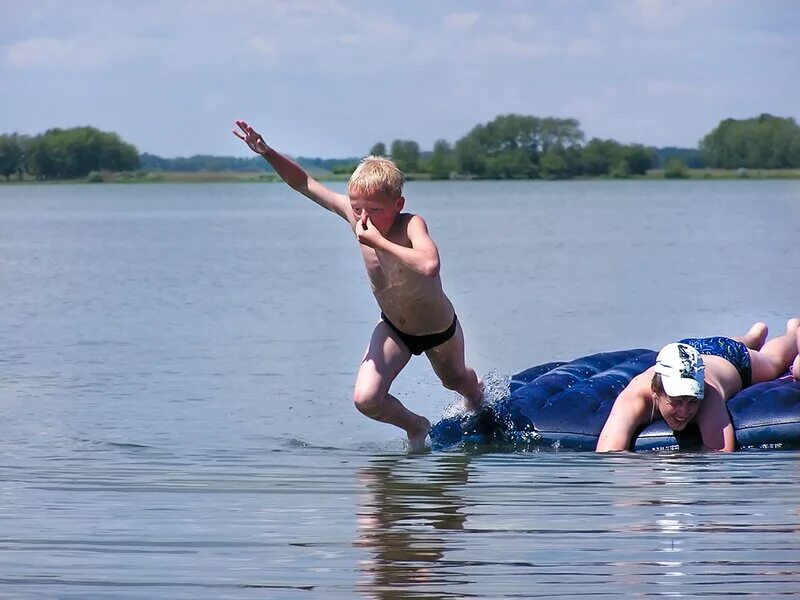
(251, 137)
(366, 233)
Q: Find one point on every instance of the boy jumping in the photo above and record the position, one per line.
(402, 264)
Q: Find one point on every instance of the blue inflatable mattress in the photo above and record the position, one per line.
(565, 405)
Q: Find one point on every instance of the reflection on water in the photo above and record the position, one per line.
(567, 525)
(404, 517)
(713, 524)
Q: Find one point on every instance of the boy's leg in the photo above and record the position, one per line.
(448, 363)
(777, 355)
(384, 360)
(796, 363)
(755, 338)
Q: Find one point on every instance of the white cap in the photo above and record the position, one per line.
(682, 370)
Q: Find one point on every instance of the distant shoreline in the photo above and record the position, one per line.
(144, 177)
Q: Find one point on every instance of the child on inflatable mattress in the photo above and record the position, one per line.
(693, 379)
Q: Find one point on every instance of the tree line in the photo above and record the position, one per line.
(521, 147)
(204, 162)
(508, 147)
(65, 153)
(764, 142)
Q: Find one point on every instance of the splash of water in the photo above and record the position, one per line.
(496, 386)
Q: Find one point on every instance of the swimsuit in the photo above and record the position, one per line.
(418, 344)
(734, 352)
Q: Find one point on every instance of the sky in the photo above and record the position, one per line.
(330, 78)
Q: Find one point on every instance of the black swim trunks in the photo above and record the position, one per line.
(418, 344)
(734, 352)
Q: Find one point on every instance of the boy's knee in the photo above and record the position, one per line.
(368, 401)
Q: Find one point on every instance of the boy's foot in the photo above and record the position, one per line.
(416, 438)
(473, 405)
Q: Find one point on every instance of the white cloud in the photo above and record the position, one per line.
(677, 15)
(39, 52)
(689, 91)
(311, 35)
(586, 47)
(655, 14)
(256, 9)
(461, 20)
(263, 46)
(500, 47)
(646, 70)
(522, 21)
(351, 39)
(379, 31)
(80, 54)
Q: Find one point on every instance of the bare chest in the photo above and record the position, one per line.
(384, 271)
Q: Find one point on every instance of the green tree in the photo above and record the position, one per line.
(469, 158)
(637, 158)
(11, 155)
(620, 170)
(405, 154)
(378, 149)
(794, 153)
(598, 156)
(344, 168)
(511, 146)
(74, 153)
(559, 133)
(45, 159)
(512, 164)
(609, 157)
(762, 142)
(675, 169)
(442, 161)
(553, 166)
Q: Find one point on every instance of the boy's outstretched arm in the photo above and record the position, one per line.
(293, 174)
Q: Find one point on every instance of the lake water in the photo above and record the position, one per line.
(175, 381)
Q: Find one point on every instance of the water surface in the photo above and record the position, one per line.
(176, 374)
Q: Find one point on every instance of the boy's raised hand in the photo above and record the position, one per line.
(251, 137)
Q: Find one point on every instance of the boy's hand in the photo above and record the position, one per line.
(252, 138)
(366, 233)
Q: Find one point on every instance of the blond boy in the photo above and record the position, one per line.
(402, 264)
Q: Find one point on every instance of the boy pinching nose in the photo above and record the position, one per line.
(402, 263)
